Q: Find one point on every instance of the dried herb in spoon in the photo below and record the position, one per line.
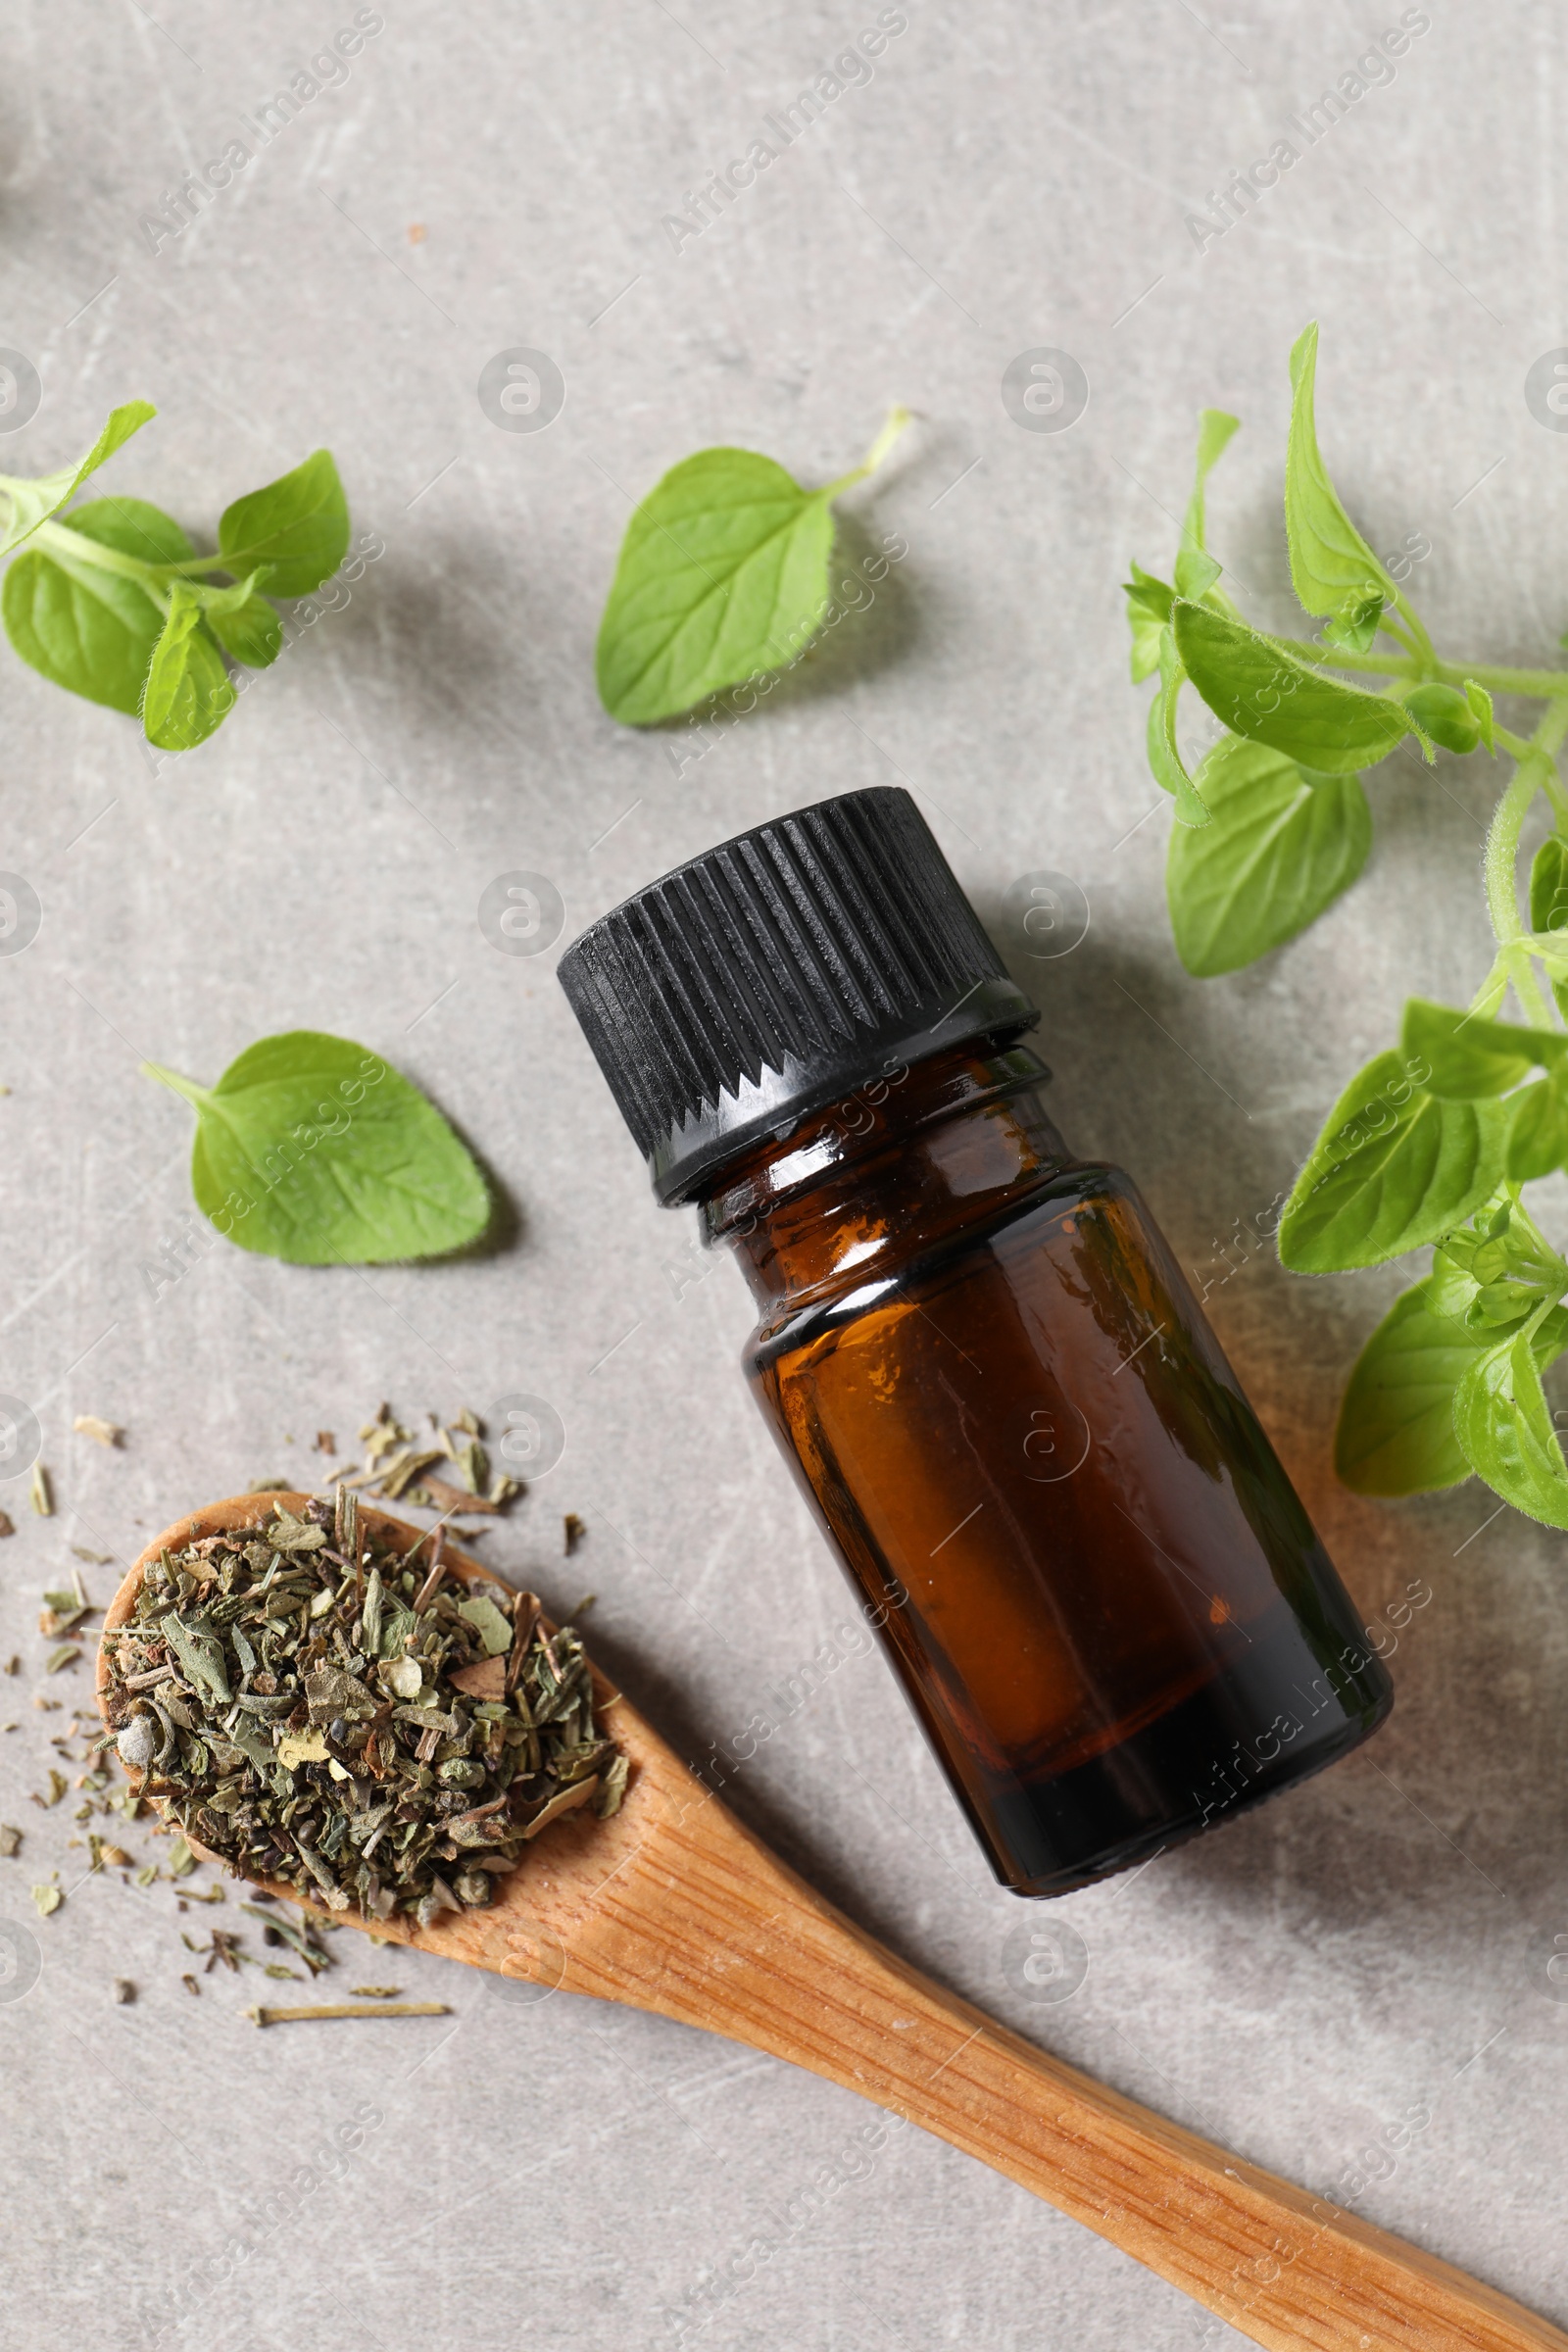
(322, 1709)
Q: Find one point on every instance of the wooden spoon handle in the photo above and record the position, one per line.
(707, 1926)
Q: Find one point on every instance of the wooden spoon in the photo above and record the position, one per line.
(672, 1906)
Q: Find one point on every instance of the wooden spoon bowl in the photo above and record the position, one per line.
(673, 1906)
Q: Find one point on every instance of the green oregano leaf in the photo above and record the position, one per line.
(298, 526)
(1480, 701)
(1332, 566)
(1468, 1056)
(722, 576)
(24, 503)
(1504, 1427)
(1165, 761)
(1259, 690)
(1548, 903)
(1508, 1269)
(188, 694)
(1445, 714)
(134, 526)
(313, 1148)
(90, 631)
(1392, 1168)
(1537, 1131)
(1548, 887)
(1148, 616)
(1167, 772)
(245, 624)
(1396, 1432)
(1281, 846)
(1356, 624)
(1195, 569)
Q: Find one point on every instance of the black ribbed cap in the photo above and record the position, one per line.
(786, 967)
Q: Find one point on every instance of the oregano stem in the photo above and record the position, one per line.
(1541, 685)
(187, 1087)
(1426, 651)
(235, 562)
(68, 546)
(75, 547)
(1374, 664)
(898, 420)
(1551, 782)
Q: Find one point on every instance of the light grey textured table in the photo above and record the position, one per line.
(1011, 177)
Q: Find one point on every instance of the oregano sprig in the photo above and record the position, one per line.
(110, 601)
(1432, 1144)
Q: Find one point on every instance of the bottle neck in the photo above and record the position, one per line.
(891, 1168)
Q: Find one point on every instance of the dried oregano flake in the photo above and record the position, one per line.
(322, 1707)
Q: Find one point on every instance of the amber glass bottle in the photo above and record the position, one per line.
(1092, 1575)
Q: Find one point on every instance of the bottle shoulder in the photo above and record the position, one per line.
(925, 1251)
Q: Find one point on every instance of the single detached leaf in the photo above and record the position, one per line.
(1280, 847)
(188, 694)
(1147, 612)
(1504, 1427)
(1330, 564)
(313, 1148)
(1393, 1167)
(1195, 569)
(298, 525)
(89, 630)
(242, 620)
(1468, 1057)
(1396, 1433)
(31, 501)
(494, 1629)
(722, 576)
(1261, 691)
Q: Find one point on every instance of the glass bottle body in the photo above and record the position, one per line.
(1102, 1595)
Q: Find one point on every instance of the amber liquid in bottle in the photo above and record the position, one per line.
(1097, 1585)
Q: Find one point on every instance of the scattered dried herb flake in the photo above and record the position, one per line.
(287, 2017)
